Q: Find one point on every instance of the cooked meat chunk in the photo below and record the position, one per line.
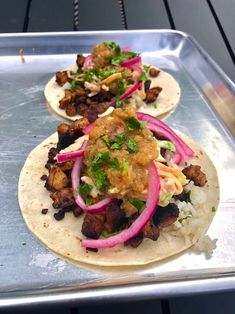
(194, 173)
(71, 110)
(51, 155)
(67, 166)
(77, 211)
(147, 85)
(135, 241)
(69, 133)
(153, 72)
(94, 110)
(62, 198)
(56, 180)
(152, 94)
(81, 109)
(80, 61)
(67, 100)
(93, 225)
(103, 96)
(151, 231)
(115, 217)
(165, 216)
(61, 77)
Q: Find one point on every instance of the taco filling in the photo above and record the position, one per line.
(128, 178)
(111, 77)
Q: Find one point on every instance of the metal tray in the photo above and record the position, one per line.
(29, 273)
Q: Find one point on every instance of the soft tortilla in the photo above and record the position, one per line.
(166, 101)
(63, 237)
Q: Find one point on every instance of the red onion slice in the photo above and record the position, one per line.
(87, 62)
(75, 176)
(88, 129)
(63, 157)
(129, 63)
(139, 223)
(128, 92)
(183, 151)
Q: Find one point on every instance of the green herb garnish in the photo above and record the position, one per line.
(121, 87)
(113, 45)
(134, 124)
(114, 163)
(146, 68)
(132, 146)
(85, 189)
(118, 102)
(142, 77)
(213, 209)
(184, 218)
(139, 205)
(115, 143)
(75, 85)
(89, 201)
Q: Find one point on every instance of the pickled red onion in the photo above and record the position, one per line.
(140, 222)
(128, 92)
(183, 151)
(129, 63)
(75, 176)
(62, 157)
(87, 62)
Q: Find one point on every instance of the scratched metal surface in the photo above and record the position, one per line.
(25, 264)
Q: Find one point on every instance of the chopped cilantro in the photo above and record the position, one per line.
(100, 158)
(113, 45)
(114, 163)
(118, 102)
(187, 197)
(100, 177)
(213, 209)
(75, 85)
(91, 75)
(146, 68)
(116, 142)
(121, 87)
(106, 73)
(125, 165)
(139, 205)
(155, 106)
(142, 77)
(85, 189)
(134, 124)
(132, 146)
(88, 201)
(122, 56)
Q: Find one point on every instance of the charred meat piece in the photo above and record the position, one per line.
(69, 133)
(77, 211)
(94, 110)
(153, 72)
(56, 180)
(62, 198)
(135, 241)
(67, 166)
(103, 96)
(165, 216)
(194, 173)
(71, 110)
(147, 85)
(151, 231)
(51, 155)
(61, 77)
(67, 99)
(115, 217)
(93, 225)
(81, 109)
(80, 61)
(152, 94)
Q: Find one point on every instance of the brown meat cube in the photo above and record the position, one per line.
(115, 217)
(71, 110)
(51, 155)
(77, 125)
(153, 72)
(103, 96)
(135, 241)
(62, 129)
(61, 77)
(151, 231)
(165, 216)
(93, 225)
(62, 198)
(194, 173)
(94, 110)
(80, 91)
(152, 94)
(56, 180)
(80, 61)
(66, 166)
(147, 85)
(81, 109)
(77, 211)
(66, 100)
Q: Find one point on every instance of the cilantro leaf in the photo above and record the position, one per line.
(75, 85)
(132, 146)
(113, 45)
(142, 77)
(118, 102)
(139, 205)
(125, 166)
(85, 189)
(114, 163)
(100, 157)
(213, 209)
(134, 124)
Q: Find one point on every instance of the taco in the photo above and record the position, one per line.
(107, 78)
(125, 190)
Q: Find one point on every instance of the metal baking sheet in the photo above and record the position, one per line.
(29, 273)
